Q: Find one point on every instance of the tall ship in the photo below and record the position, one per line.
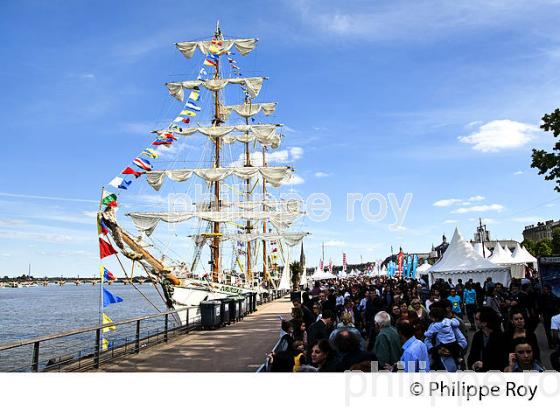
(215, 179)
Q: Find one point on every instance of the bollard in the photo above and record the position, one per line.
(35, 364)
(137, 342)
(97, 349)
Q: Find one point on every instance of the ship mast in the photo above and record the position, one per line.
(266, 277)
(216, 123)
(249, 273)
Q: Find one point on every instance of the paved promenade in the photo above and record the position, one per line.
(240, 347)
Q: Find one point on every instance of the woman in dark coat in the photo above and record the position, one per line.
(518, 329)
(488, 350)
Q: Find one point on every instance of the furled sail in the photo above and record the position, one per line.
(147, 221)
(291, 238)
(265, 134)
(252, 84)
(243, 45)
(247, 110)
(273, 175)
(290, 205)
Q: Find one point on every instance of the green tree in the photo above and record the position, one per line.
(548, 163)
(530, 246)
(556, 241)
(544, 248)
(296, 270)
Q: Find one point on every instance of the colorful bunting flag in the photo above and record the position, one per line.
(212, 60)
(109, 298)
(107, 320)
(194, 95)
(130, 171)
(105, 344)
(115, 182)
(105, 249)
(101, 227)
(181, 119)
(124, 184)
(166, 141)
(192, 106)
(152, 153)
(143, 163)
(106, 275)
(109, 199)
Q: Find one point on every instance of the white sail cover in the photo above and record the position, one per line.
(147, 221)
(252, 84)
(247, 110)
(243, 45)
(273, 175)
(265, 134)
(500, 256)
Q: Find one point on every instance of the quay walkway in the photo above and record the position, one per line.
(240, 347)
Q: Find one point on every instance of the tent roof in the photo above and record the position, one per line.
(424, 267)
(501, 256)
(478, 247)
(322, 276)
(520, 255)
(460, 256)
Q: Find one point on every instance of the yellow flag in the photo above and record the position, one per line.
(152, 153)
(107, 320)
(194, 95)
(104, 344)
(189, 113)
(101, 270)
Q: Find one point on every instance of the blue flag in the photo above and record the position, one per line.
(408, 265)
(414, 265)
(109, 298)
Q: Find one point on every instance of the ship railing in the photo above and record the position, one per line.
(90, 347)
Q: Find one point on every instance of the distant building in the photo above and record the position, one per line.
(540, 231)
(482, 232)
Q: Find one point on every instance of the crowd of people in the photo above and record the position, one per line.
(389, 324)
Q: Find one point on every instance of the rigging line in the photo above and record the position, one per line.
(132, 283)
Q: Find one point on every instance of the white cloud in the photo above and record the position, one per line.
(321, 174)
(498, 135)
(518, 173)
(447, 202)
(527, 219)
(49, 198)
(476, 198)
(479, 208)
(294, 180)
(335, 244)
(549, 205)
(10, 221)
(282, 156)
(90, 214)
(450, 221)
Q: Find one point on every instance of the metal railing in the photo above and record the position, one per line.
(84, 349)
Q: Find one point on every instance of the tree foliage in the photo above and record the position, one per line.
(548, 163)
(556, 241)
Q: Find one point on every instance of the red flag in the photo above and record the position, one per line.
(130, 171)
(105, 249)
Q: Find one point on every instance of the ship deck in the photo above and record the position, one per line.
(239, 347)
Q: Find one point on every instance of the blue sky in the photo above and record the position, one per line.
(438, 99)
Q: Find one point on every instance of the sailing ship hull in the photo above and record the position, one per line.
(190, 293)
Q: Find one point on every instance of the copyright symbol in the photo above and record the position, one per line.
(416, 389)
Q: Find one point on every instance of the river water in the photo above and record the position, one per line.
(45, 310)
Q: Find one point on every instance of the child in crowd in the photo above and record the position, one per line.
(441, 333)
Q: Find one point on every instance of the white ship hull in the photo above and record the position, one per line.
(191, 292)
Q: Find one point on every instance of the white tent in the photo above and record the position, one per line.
(461, 261)
(482, 250)
(319, 275)
(383, 271)
(425, 267)
(342, 274)
(500, 256)
(520, 255)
